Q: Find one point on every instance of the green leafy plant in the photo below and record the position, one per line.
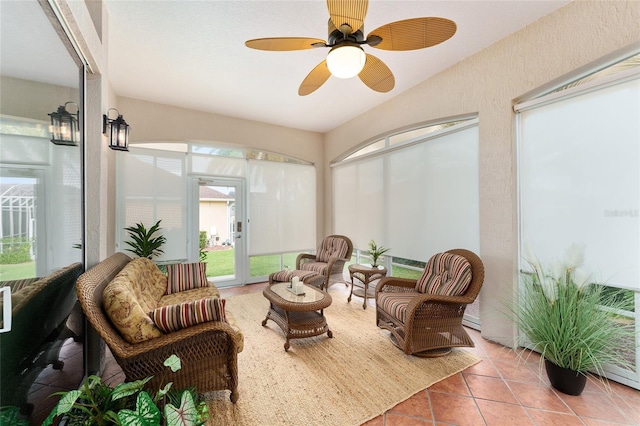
(203, 246)
(143, 243)
(96, 403)
(572, 321)
(375, 252)
(10, 416)
(15, 250)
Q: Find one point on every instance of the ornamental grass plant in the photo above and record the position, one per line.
(572, 321)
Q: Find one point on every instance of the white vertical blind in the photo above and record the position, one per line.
(580, 180)
(417, 200)
(282, 207)
(152, 186)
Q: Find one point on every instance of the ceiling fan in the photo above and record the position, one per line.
(346, 58)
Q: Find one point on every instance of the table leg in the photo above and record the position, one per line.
(351, 293)
(366, 285)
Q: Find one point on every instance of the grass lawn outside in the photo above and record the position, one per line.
(17, 271)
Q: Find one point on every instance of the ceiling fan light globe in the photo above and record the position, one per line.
(346, 61)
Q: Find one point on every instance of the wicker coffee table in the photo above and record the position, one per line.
(298, 316)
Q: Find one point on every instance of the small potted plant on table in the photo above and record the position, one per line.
(375, 252)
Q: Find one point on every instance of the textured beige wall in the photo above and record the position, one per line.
(487, 84)
(153, 122)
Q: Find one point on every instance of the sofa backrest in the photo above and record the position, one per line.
(131, 295)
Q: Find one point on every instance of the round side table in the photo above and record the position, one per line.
(361, 276)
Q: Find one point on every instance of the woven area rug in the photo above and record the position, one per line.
(346, 380)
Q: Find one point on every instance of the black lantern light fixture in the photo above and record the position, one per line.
(117, 130)
(64, 126)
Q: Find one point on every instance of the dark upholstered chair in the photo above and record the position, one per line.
(329, 260)
(424, 316)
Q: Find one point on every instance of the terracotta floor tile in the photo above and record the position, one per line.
(624, 391)
(477, 351)
(497, 351)
(538, 396)
(631, 409)
(455, 409)
(454, 384)
(596, 422)
(483, 368)
(548, 418)
(595, 405)
(416, 406)
(392, 419)
(500, 413)
(490, 388)
(517, 371)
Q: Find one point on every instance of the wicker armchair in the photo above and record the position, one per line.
(207, 351)
(425, 324)
(329, 260)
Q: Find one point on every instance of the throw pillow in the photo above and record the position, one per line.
(186, 276)
(175, 317)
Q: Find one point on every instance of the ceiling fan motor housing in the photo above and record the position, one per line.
(336, 36)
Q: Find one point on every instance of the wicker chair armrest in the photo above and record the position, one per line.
(184, 338)
(422, 298)
(395, 285)
(304, 257)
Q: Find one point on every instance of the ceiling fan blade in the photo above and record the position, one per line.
(284, 43)
(377, 75)
(415, 33)
(315, 79)
(350, 12)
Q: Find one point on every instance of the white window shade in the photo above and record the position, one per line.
(152, 186)
(580, 180)
(359, 201)
(417, 200)
(282, 207)
(433, 196)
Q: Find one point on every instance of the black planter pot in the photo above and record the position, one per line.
(565, 380)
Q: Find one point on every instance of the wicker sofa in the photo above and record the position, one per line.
(130, 302)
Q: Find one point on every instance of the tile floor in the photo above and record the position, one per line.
(500, 390)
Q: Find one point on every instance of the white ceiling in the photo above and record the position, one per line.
(192, 54)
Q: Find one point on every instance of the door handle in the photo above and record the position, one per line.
(6, 309)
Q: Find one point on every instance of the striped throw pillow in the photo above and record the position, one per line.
(186, 276)
(176, 317)
(446, 274)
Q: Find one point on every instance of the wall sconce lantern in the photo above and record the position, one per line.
(117, 131)
(64, 126)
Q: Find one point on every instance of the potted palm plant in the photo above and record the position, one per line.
(572, 322)
(375, 251)
(143, 243)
